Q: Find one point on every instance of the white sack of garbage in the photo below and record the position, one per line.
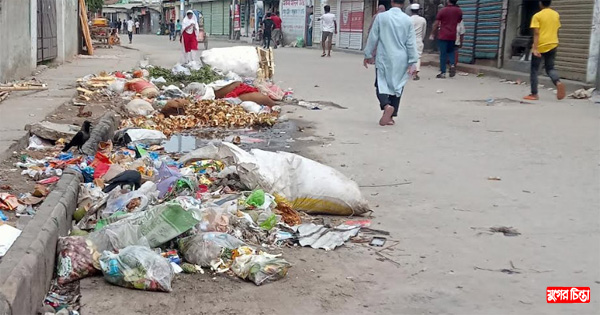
(310, 186)
(242, 60)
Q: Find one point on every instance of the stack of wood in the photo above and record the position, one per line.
(23, 86)
(89, 86)
(3, 95)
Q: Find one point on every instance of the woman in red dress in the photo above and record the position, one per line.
(191, 33)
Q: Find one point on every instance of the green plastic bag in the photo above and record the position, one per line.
(151, 228)
(256, 198)
(269, 223)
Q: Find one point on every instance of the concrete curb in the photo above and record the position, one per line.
(103, 131)
(27, 269)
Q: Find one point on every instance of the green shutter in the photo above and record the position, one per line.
(218, 27)
(207, 15)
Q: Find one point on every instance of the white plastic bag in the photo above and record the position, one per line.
(194, 65)
(178, 68)
(173, 92)
(251, 107)
(158, 80)
(242, 60)
(204, 248)
(118, 86)
(309, 186)
(137, 267)
(195, 88)
(139, 107)
(147, 136)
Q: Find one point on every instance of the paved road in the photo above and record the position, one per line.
(446, 143)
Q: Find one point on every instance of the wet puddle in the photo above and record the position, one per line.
(277, 138)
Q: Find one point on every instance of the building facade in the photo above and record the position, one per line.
(36, 31)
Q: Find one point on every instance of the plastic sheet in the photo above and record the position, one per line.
(260, 268)
(205, 248)
(151, 228)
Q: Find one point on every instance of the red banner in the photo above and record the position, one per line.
(237, 24)
(352, 17)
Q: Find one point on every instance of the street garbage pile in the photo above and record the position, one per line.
(156, 103)
(145, 214)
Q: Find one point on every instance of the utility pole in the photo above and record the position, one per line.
(181, 9)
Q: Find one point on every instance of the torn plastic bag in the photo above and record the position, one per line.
(179, 69)
(137, 267)
(318, 236)
(165, 179)
(173, 92)
(153, 227)
(146, 136)
(139, 107)
(77, 259)
(204, 248)
(118, 86)
(195, 88)
(308, 185)
(37, 143)
(260, 268)
(130, 202)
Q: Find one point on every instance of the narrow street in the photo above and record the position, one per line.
(450, 138)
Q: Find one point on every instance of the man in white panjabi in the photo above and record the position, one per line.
(420, 25)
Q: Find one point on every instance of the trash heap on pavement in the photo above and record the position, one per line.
(144, 215)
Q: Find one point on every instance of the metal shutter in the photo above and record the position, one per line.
(351, 24)
(218, 27)
(469, 9)
(489, 15)
(574, 37)
(206, 8)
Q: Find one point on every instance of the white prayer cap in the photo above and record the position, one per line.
(415, 6)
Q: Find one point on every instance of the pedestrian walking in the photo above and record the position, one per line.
(137, 26)
(130, 28)
(190, 38)
(407, 7)
(444, 27)
(119, 25)
(172, 30)
(268, 26)
(328, 27)
(394, 36)
(420, 26)
(125, 27)
(380, 9)
(545, 25)
(177, 30)
(277, 33)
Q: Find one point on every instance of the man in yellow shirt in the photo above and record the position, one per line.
(545, 25)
